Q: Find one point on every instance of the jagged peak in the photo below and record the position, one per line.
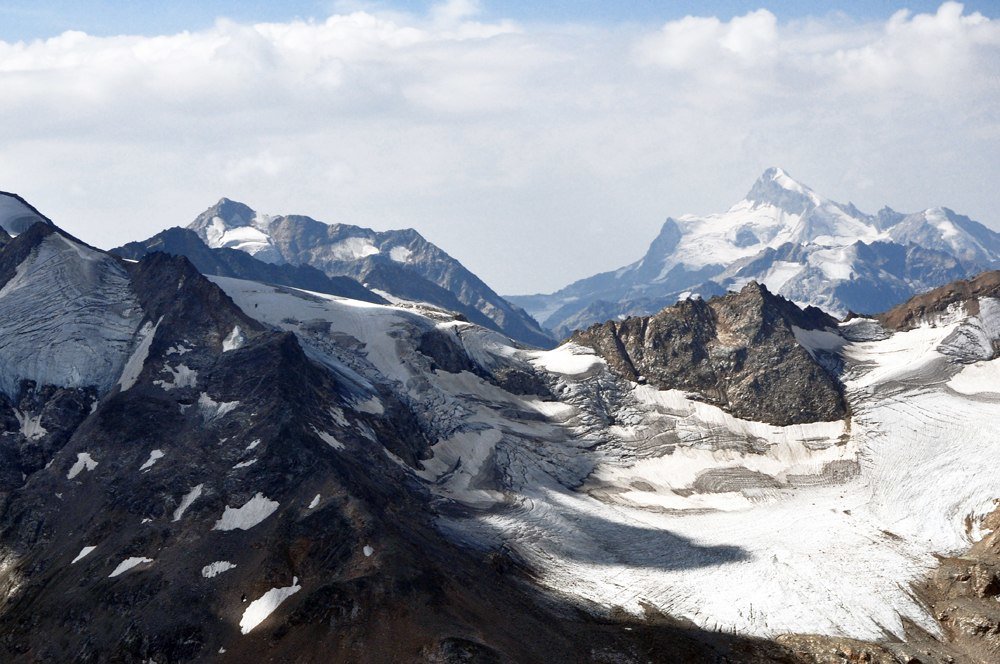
(233, 214)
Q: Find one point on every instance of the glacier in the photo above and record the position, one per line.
(624, 496)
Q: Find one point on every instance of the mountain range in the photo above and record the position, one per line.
(799, 244)
(235, 468)
(398, 265)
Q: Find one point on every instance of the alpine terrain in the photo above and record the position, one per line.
(397, 265)
(230, 469)
(786, 236)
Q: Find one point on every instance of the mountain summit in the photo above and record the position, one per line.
(396, 264)
(798, 243)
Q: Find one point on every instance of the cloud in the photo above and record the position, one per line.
(535, 153)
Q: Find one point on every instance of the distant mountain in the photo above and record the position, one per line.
(227, 262)
(395, 264)
(810, 249)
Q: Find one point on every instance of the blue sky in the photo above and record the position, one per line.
(34, 19)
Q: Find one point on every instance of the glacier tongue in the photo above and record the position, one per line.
(67, 317)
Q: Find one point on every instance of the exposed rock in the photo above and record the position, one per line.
(399, 262)
(737, 351)
(226, 262)
(961, 293)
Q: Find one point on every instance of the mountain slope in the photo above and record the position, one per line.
(227, 262)
(277, 475)
(784, 235)
(400, 263)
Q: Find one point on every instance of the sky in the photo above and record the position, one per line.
(538, 143)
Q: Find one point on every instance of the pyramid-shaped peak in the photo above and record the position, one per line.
(232, 213)
(776, 187)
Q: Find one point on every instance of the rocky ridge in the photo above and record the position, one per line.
(399, 263)
(225, 262)
(738, 351)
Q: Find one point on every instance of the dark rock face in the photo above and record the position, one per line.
(147, 472)
(239, 265)
(737, 351)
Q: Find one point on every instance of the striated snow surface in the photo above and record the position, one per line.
(67, 318)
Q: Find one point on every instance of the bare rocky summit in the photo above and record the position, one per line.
(738, 351)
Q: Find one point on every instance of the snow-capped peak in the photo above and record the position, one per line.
(777, 188)
(233, 225)
(232, 213)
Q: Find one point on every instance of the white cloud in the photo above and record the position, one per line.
(562, 145)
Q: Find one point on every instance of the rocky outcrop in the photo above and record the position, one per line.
(963, 293)
(964, 593)
(737, 351)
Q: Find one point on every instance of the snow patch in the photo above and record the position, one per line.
(128, 564)
(261, 608)
(978, 378)
(84, 552)
(569, 360)
(234, 340)
(353, 248)
(818, 340)
(400, 254)
(372, 406)
(181, 376)
(83, 462)
(154, 456)
(186, 501)
(136, 361)
(249, 515)
(30, 426)
(211, 409)
(244, 464)
(218, 567)
(315, 501)
(368, 551)
(328, 439)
